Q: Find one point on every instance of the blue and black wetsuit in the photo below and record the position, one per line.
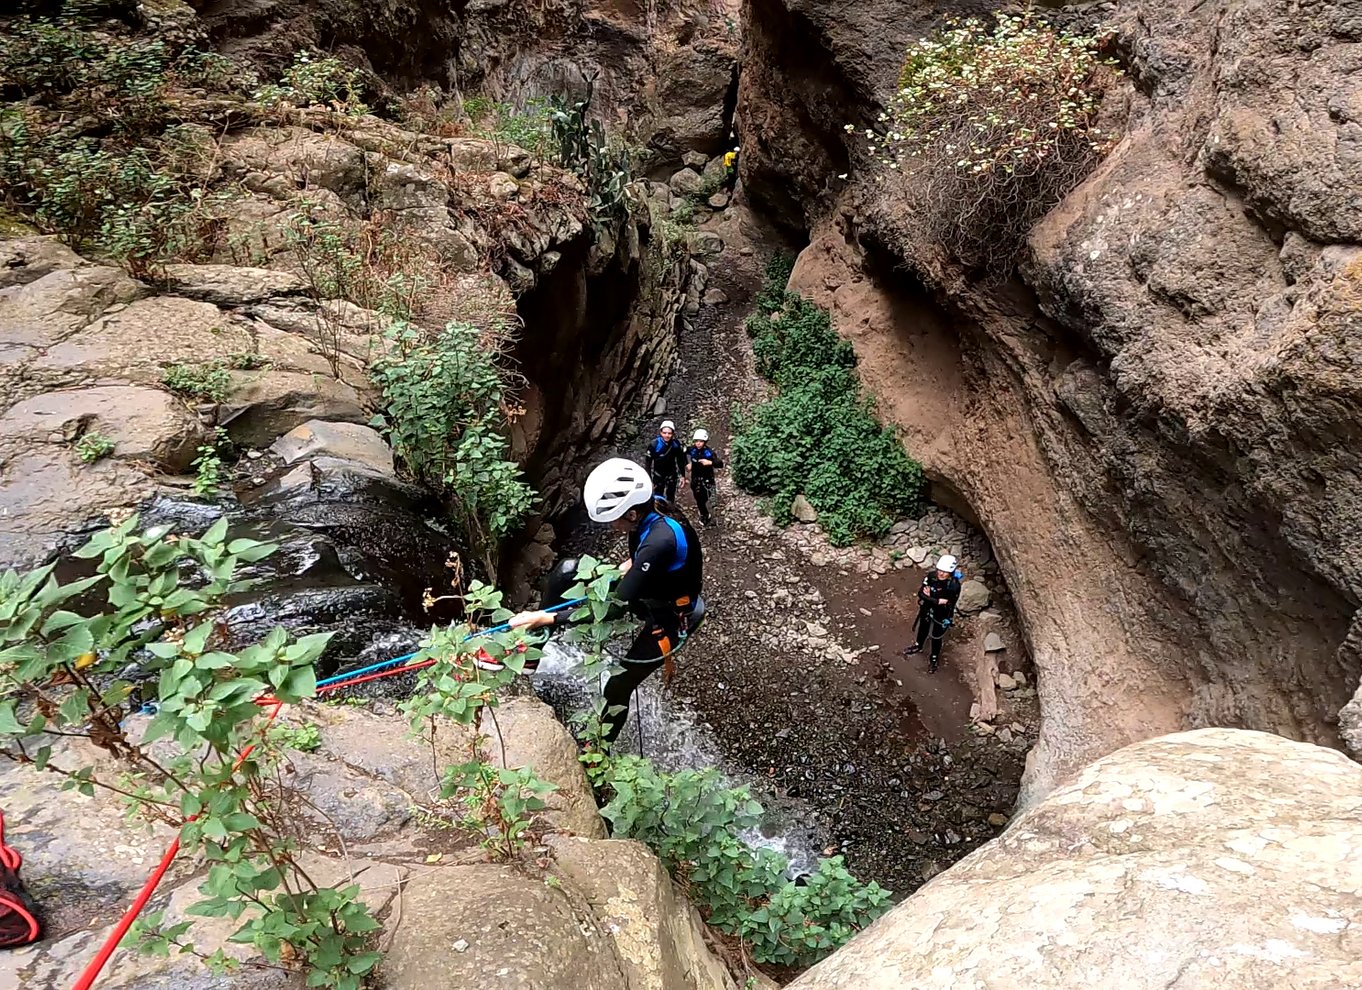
(666, 462)
(933, 618)
(662, 588)
(702, 476)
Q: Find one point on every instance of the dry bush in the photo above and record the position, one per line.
(994, 126)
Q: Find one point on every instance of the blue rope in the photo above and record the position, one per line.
(407, 656)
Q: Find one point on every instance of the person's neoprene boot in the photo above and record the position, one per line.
(931, 666)
(912, 648)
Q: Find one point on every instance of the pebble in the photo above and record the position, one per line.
(254, 455)
(460, 946)
(1006, 683)
(1005, 735)
(864, 611)
(997, 820)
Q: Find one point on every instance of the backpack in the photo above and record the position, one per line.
(18, 914)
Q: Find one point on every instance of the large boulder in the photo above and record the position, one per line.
(524, 729)
(606, 917)
(1207, 859)
(142, 423)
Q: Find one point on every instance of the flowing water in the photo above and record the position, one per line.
(668, 732)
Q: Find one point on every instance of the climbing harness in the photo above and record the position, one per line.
(18, 914)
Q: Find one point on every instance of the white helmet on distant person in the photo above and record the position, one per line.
(667, 425)
(615, 487)
(701, 435)
(946, 563)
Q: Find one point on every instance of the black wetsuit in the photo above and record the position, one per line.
(933, 618)
(662, 588)
(666, 461)
(702, 476)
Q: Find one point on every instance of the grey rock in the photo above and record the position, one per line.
(974, 597)
(686, 182)
(803, 511)
(343, 441)
(993, 643)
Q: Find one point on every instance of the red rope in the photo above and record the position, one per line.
(11, 860)
(92, 971)
(106, 951)
(87, 978)
(376, 676)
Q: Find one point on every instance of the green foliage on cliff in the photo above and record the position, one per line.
(694, 823)
(819, 435)
(443, 413)
(995, 124)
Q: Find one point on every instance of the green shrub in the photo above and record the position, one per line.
(93, 447)
(604, 166)
(210, 382)
(997, 125)
(316, 81)
(819, 435)
(156, 607)
(526, 127)
(117, 202)
(443, 411)
(692, 821)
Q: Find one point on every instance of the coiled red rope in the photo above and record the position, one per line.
(20, 926)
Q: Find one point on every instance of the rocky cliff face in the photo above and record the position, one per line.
(1157, 420)
(665, 71)
(1204, 859)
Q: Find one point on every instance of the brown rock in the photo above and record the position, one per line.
(1177, 883)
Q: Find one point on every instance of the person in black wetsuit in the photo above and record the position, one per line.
(936, 600)
(703, 460)
(661, 584)
(666, 461)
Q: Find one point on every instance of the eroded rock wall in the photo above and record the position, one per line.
(1156, 421)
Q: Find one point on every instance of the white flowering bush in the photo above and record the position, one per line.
(996, 123)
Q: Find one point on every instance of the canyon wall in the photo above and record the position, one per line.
(1156, 420)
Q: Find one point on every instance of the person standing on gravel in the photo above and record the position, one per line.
(936, 608)
(703, 460)
(666, 460)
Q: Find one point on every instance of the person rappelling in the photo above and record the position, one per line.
(666, 460)
(936, 597)
(661, 579)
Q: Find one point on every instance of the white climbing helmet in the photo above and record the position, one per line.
(615, 487)
(702, 435)
(667, 425)
(946, 563)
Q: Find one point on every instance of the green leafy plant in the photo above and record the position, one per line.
(316, 81)
(93, 447)
(77, 677)
(210, 382)
(463, 685)
(584, 149)
(819, 435)
(304, 738)
(525, 127)
(997, 124)
(443, 401)
(208, 465)
(692, 821)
